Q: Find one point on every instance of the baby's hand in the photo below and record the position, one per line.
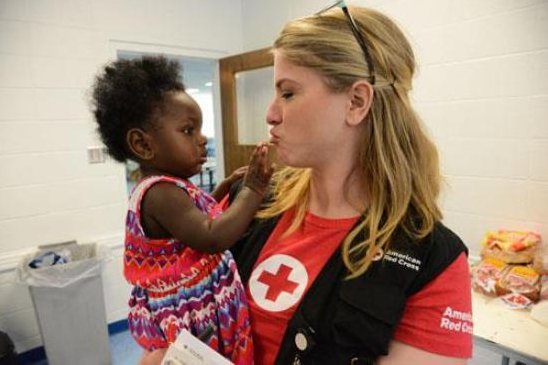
(236, 175)
(259, 170)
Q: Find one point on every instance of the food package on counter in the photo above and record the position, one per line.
(516, 301)
(512, 247)
(540, 262)
(544, 287)
(486, 274)
(519, 286)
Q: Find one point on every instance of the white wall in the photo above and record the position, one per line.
(482, 90)
(49, 52)
(254, 92)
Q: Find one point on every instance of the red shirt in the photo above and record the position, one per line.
(439, 318)
(285, 269)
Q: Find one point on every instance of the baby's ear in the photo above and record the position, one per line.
(139, 144)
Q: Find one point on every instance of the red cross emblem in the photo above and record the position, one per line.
(278, 282)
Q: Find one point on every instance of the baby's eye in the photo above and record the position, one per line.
(188, 131)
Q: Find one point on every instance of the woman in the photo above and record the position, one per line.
(349, 263)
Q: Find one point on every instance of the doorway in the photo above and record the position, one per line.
(246, 89)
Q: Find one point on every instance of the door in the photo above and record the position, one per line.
(246, 89)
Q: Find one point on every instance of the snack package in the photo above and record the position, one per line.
(519, 281)
(512, 247)
(486, 274)
(516, 301)
(540, 262)
(544, 287)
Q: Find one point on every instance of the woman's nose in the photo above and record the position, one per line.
(273, 115)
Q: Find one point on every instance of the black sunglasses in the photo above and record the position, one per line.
(353, 26)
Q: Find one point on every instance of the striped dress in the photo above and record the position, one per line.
(177, 287)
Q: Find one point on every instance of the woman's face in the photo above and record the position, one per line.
(307, 119)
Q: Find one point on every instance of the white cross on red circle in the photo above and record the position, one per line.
(278, 282)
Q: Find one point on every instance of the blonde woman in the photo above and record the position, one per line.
(348, 263)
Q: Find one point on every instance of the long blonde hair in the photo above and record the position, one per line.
(398, 159)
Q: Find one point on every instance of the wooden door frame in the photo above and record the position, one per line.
(235, 154)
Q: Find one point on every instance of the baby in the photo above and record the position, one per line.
(176, 241)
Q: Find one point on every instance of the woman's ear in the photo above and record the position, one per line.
(361, 98)
(140, 144)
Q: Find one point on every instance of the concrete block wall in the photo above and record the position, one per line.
(482, 92)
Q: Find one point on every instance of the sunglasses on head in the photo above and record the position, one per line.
(353, 26)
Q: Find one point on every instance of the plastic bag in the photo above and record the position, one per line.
(86, 260)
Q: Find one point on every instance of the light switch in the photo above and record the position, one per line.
(97, 154)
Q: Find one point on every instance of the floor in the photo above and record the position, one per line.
(126, 352)
(124, 349)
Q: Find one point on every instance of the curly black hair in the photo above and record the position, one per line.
(126, 95)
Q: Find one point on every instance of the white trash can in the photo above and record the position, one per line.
(69, 303)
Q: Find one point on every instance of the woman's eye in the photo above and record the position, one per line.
(287, 95)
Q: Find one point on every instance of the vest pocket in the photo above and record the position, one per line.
(366, 316)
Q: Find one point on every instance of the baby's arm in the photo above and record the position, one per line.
(174, 213)
(224, 186)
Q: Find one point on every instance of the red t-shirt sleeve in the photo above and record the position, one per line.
(224, 203)
(438, 319)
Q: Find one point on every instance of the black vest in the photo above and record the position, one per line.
(352, 321)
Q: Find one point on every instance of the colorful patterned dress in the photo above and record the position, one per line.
(177, 287)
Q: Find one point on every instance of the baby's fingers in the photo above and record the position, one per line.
(269, 169)
(258, 157)
(258, 174)
(254, 159)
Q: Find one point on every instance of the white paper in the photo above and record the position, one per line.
(189, 350)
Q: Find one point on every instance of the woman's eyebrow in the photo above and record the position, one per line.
(280, 82)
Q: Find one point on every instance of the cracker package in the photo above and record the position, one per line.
(522, 283)
(511, 247)
(540, 262)
(544, 287)
(486, 275)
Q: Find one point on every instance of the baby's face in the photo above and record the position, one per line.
(180, 146)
